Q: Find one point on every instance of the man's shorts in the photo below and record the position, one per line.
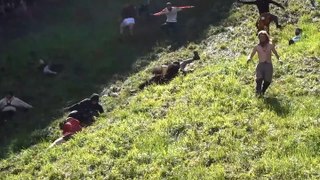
(264, 71)
(128, 22)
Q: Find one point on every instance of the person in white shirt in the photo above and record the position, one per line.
(9, 106)
(171, 12)
(297, 37)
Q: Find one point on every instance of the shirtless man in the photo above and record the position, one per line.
(264, 70)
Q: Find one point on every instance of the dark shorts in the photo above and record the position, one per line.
(264, 71)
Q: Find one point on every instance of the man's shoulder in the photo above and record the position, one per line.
(86, 100)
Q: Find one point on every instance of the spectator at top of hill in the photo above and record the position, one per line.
(10, 104)
(297, 37)
(128, 15)
(86, 109)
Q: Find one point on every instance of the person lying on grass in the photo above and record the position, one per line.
(264, 70)
(297, 37)
(70, 127)
(166, 73)
(86, 109)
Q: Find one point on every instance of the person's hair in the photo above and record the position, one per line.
(298, 31)
(10, 93)
(94, 97)
(268, 38)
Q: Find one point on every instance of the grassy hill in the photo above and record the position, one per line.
(205, 125)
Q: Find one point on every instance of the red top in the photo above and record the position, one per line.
(72, 126)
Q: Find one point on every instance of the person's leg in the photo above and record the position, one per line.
(259, 78)
(268, 73)
(57, 142)
(275, 19)
(131, 28)
(8, 115)
(165, 28)
(122, 27)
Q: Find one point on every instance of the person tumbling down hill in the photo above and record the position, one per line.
(170, 26)
(264, 70)
(86, 109)
(70, 127)
(9, 106)
(128, 14)
(263, 7)
(165, 73)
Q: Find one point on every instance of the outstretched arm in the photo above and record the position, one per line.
(277, 4)
(162, 12)
(185, 7)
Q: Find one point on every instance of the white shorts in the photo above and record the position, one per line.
(128, 22)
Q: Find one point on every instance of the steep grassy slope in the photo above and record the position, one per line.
(83, 36)
(207, 124)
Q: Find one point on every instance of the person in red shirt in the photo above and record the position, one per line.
(69, 128)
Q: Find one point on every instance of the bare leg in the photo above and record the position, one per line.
(57, 142)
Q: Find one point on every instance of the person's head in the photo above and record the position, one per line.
(264, 37)
(94, 98)
(169, 5)
(298, 31)
(196, 55)
(9, 94)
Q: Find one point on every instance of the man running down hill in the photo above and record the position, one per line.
(263, 7)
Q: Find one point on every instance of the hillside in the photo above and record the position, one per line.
(207, 124)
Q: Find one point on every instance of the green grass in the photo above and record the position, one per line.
(205, 125)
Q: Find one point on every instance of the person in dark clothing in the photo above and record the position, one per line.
(263, 7)
(86, 109)
(166, 73)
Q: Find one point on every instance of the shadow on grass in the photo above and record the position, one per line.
(90, 61)
(274, 104)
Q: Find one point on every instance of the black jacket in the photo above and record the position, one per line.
(263, 5)
(86, 106)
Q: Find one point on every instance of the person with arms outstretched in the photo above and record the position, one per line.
(264, 70)
(171, 12)
(264, 7)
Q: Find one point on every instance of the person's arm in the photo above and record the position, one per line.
(276, 53)
(247, 2)
(162, 12)
(277, 4)
(254, 51)
(100, 109)
(22, 104)
(180, 8)
(2, 103)
(73, 107)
